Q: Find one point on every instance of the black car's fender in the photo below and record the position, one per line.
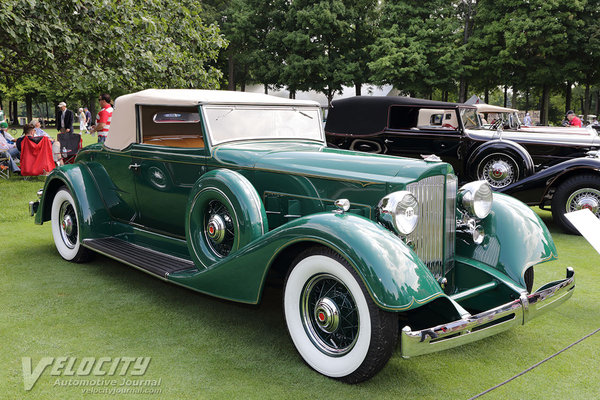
(514, 149)
(533, 189)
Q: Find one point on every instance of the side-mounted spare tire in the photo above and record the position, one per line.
(224, 213)
(500, 162)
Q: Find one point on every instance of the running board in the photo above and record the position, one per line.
(143, 258)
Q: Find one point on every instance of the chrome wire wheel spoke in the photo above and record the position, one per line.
(584, 198)
(499, 171)
(329, 315)
(68, 224)
(219, 230)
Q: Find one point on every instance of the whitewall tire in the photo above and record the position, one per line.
(65, 227)
(332, 320)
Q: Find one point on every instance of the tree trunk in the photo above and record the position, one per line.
(462, 90)
(568, 97)
(486, 96)
(29, 107)
(14, 113)
(505, 95)
(266, 89)
(231, 76)
(358, 89)
(598, 103)
(527, 100)
(292, 94)
(544, 108)
(586, 104)
(514, 97)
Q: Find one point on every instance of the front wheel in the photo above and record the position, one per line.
(498, 169)
(336, 327)
(65, 228)
(576, 193)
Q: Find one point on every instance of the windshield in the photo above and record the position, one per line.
(240, 122)
(469, 118)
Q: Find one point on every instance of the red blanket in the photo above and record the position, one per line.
(36, 158)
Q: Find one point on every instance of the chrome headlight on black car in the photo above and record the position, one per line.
(399, 211)
(476, 199)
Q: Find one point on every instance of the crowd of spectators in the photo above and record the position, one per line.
(11, 147)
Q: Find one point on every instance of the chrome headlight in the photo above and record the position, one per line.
(399, 210)
(476, 199)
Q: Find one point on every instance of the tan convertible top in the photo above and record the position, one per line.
(123, 125)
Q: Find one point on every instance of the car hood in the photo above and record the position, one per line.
(546, 135)
(312, 159)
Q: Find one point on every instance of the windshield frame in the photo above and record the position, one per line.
(209, 129)
(462, 110)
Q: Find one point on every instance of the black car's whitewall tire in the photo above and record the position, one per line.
(65, 227)
(332, 320)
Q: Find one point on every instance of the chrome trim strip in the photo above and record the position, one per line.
(487, 323)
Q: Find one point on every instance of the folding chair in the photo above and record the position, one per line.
(70, 144)
(4, 165)
(36, 156)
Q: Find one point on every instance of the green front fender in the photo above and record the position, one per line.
(516, 239)
(91, 211)
(394, 276)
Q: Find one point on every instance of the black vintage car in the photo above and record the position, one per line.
(558, 171)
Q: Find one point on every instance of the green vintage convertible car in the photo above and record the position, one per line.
(222, 191)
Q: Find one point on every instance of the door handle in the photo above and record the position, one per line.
(135, 166)
(388, 141)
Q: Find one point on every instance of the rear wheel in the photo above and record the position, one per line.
(65, 228)
(336, 327)
(576, 193)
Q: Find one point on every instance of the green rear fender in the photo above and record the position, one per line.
(394, 276)
(91, 211)
(516, 239)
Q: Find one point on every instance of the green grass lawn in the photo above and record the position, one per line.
(202, 347)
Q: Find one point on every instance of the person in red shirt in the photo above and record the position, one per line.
(573, 119)
(103, 118)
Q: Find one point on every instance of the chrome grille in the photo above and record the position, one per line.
(434, 236)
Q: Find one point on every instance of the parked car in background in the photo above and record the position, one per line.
(221, 192)
(495, 117)
(554, 170)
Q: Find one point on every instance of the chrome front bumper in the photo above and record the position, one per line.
(475, 327)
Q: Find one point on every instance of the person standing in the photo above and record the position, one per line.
(88, 119)
(574, 120)
(103, 118)
(65, 120)
(82, 121)
(527, 120)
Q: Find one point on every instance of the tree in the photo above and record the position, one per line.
(525, 44)
(317, 35)
(108, 45)
(418, 48)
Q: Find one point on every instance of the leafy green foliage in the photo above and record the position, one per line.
(93, 45)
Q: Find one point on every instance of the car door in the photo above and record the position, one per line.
(413, 132)
(167, 161)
